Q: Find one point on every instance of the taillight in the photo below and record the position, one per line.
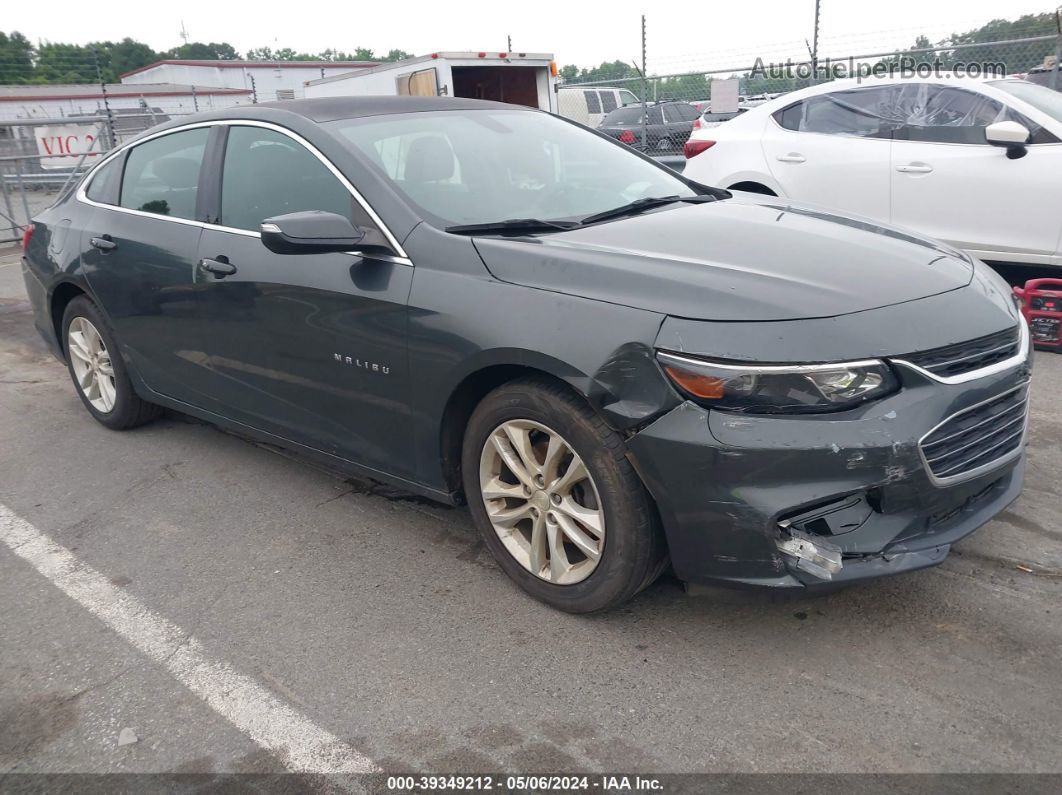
(27, 233)
(697, 123)
(627, 137)
(693, 148)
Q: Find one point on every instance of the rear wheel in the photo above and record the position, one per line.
(97, 369)
(557, 502)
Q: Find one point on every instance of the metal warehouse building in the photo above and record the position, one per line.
(268, 80)
(60, 101)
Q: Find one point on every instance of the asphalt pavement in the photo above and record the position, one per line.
(238, 610)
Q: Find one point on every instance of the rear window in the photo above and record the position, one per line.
(593, 105)
(630, 115)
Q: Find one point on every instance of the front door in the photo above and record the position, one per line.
(309, 347)
(949, 183)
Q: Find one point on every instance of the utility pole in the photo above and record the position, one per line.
(815, 47)
(645, 96)
(254, 92)
(106, 103)
(1053, 80)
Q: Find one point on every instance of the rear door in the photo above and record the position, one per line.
(833, 150)
(309, 347)
(948, 182)
(138, 250)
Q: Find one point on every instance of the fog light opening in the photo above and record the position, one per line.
(817, 557)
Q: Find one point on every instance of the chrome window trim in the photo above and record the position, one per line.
(1019, 358)
(81, 196)
(951, 480)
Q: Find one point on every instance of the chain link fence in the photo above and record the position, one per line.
(47, 144)
(656, 113)
(46, 154)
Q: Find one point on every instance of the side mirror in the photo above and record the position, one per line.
(1009, 134)
(310, 232)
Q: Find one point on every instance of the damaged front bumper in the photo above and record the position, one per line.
(809, 500)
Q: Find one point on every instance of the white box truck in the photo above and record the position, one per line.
(520, 78)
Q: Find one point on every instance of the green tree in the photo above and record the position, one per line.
(198, 51)
(397, 55)
(64, 63)
(16, 58)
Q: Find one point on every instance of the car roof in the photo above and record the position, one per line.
(333, 108)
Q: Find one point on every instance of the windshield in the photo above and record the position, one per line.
(471, 167)
(1040, 97)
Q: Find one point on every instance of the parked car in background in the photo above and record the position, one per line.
(615, 366)
(590, 105)
(707, 119)
(976, 163)
(667, 127)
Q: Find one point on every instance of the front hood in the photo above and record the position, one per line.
(735, 259)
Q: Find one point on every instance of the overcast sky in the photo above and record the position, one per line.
(691, 34)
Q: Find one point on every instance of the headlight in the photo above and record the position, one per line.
(779, 389)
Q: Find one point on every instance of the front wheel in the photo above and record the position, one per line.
(557, 502)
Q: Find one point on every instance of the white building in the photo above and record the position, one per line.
(268, 80)
(161, 99)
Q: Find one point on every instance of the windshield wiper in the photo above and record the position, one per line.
(641, 205)
(512, 225)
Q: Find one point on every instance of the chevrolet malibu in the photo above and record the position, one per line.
(617, 368)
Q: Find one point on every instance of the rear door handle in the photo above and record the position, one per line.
(915, 168)
(103, 243)
(792, 157)
(220, 267)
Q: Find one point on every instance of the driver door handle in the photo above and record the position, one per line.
(915, 168)
(792, 157)
(220, 267)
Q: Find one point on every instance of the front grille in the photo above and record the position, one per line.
(965, 357)
(977, 437)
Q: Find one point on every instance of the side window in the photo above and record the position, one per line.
(162, 175)
(608, 101)
(655, 116)
(267, 173)
(593, 104)
(627, 98)
(865, 113)
(105, 183)
(942, 114)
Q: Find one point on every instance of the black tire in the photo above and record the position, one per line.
(634, 552)
(129, 410)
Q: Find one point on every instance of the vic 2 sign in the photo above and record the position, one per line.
(60, 146)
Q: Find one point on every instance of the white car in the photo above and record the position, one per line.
(975, 163)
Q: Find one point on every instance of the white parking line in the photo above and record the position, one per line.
(298, 743)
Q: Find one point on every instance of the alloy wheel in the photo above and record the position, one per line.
(542, 501)
(92, 364)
